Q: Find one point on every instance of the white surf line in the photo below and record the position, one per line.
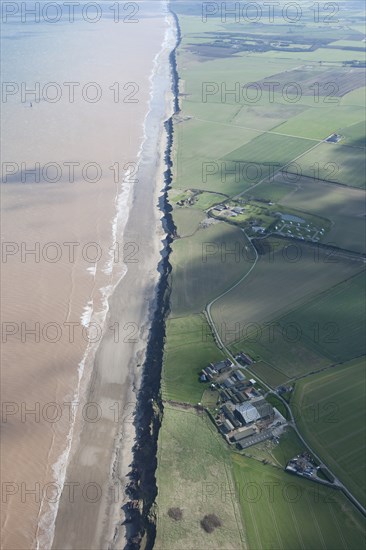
(47, 519)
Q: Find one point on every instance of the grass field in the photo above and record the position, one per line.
(355, 134)
(325, 329)
(292, 316)
(206, 200)
(205, 265)
(270, 374)
(284, 512)
(271, 191)
(270, 149)
(333, 57)
(321, 121)
(345, 207)
(331, 412)
(357, 97)
(284, 352)
(189, 348)
(285, 276)
(194, 474)
(187, 221)
(336, 163)
(289, 446)
(333, 322)
(322, 83)
(260, 506)
(198, 161)
(198, 474)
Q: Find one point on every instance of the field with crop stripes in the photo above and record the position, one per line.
(284, 512)
(331, 413)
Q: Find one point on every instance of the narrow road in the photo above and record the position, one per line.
(208, 307)
(292, 422)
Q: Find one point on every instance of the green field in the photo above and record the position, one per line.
(198, 474)
(285, 276)
(344, 207)
(355, 134)
(336, 163)
(198, 162)
(329, 328)
(285, 351)
(336, 57)
(206, 200)
(282, 313)
(270, 150)
(356, 97)
(330, 409)
(325, 329)
(205, 265)
(322, 121)
(194, 467)
(187, 221)
(271, 191)
(272, 375)
(189, 348)
(333, 323)
(284, 512)
(292, 284)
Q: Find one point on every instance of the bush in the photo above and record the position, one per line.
(175, 513)
(210, 522)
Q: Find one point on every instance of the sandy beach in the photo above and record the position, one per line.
(81, 451)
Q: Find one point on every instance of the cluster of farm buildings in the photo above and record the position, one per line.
(233, 212)
(243, 416)
(302, 465)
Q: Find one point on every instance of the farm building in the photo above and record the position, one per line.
(245, 358)
(229, 382)
(209, 372)
(235, 395)
(242, 433)
(239, 375)
(264, 409)
(246, 413)
(228, 413)
(251, 392)
(228, 425)
(221, 366)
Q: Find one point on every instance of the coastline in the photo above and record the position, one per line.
(142, 489)
(123, 202)
(140, 282)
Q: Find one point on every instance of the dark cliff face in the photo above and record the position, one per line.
(142, 489)
(173, 64)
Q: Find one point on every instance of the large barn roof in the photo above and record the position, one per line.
(248, 412)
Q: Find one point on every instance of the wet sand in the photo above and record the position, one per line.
(36, 290)
(115, 373)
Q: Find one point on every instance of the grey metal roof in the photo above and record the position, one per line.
(248, 412)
